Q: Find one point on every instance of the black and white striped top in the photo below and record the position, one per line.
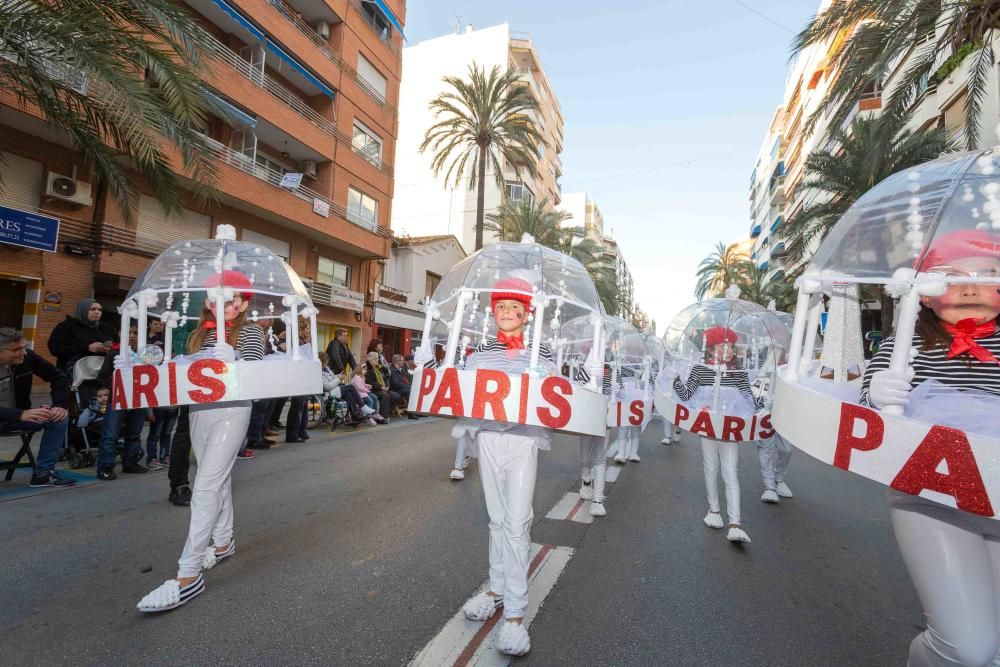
(704, 376)
(249, 345)
(962, 372)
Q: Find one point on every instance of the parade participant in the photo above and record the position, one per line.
(594, 460)
(952, 556)
(508, 464)
(774, 453)
(217, 432)
(720, 352)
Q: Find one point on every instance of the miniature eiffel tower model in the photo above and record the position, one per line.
(843, 357)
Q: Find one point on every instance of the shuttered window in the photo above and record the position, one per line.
(155, 225)
(280, 248)
(371, 76)
(22, 182)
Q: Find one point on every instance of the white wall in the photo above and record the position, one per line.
(422, 206)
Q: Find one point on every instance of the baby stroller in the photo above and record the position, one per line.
(85, 415)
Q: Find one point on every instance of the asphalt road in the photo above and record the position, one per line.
(357, 551)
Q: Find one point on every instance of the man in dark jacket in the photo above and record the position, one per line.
(18, 366)
(81, 335)
(399, 381)
(340, 355)
(132, 420)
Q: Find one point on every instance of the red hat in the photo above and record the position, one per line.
(960, 244)
(718, 335)
(502, 291)
(234, 280)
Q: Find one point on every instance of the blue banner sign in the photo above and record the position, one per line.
(28, 230)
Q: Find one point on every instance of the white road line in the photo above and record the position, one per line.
(571, 508)
(463, 642)
(613, 472)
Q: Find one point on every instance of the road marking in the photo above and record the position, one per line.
(571, 508)
(613, 472)
(465, 643)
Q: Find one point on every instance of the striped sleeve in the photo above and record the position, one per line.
(250, 345)
(879, 362)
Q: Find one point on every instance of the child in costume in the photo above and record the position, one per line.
(217, 433)
(952, 556)
(774, 454)
(508, 464)
(594, 457)
(720, 344)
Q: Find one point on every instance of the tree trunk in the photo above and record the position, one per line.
(481, 198)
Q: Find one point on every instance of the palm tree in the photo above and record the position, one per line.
(753, 287)
(118, 77)
(514, 219)
(725, 266)
(869, 152)
(879, 34)
(482, 119)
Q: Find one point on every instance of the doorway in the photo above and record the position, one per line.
(12, 296)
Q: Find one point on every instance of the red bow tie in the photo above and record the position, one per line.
(513, 342)
(964, 334)
(210, 324)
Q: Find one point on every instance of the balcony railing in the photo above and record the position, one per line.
(292, 17)
(249, 165)
(262, 80)
(384, 36)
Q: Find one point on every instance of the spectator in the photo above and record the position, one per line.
(336, 386)
(133, 421)
(340, 355)
(410, 366)
(18, 366)
(377, 377)
(364, 391)
(180, 460)
(92, 417)
(81, 335)
(298, 407)
(375, 345)
(162, 423)
(399, 381)
(156, 335)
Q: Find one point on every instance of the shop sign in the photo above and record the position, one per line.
(28, 230)
(341, 297)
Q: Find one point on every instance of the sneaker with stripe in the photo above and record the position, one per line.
(170, 595)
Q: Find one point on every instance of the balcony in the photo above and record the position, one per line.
(383, 32)
(779, 250)
(294, 16)
(263, 81)
(777, 223)
(755, 232)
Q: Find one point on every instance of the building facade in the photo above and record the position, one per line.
(311, 88)
(584, 213)
(424, 204)
(626, 288)
(412, 273)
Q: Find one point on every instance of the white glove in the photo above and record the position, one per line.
(889, 388)
(420, 357)
(121, 361)
(224, 352)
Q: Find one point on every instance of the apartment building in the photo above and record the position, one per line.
(424, 204)
(584, 213)
(311, 88)
(626, 287)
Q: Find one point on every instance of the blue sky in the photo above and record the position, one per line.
(680, 91)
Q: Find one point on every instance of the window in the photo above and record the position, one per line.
(433, 280)
(362, 209)
(367, 144)
(271, 164)
(333, 273)
(372, 79)
(376, 21)
(516, 191)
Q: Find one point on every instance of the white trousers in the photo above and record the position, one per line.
(594, 462)
(461, 447)
(775, 453)
(954, 560)
(716, 454)
(216, 437)
(629, 438)
(508, 464)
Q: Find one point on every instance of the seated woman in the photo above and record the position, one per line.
(378, 377)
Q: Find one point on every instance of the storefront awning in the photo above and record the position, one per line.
(388, 316)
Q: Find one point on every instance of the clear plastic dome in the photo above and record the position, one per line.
(626, 346)
(725, 354)
(921, 219)
(182, 274)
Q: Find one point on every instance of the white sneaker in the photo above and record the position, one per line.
(170, 595)
(481, 607)
(714, 520)
(620, 458)
(737, 534)
(783, 490)
(598, 509)
(466, 461)
(769, 496)
(587, 490)
(666, 441)
(634, 458)
(513, 639)
(457, 475)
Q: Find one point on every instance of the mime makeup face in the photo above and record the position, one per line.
(968, 300)
(510, 315)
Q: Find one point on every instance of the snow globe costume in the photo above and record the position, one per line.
(509, 300)
(925, 417)
(631, 407)
(716, 383)
(233, 285)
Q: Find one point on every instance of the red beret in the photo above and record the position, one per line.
(502, 291)
(719, 335)
(960, 244)
(234, 280)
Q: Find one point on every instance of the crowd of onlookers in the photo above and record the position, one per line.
(80, 417)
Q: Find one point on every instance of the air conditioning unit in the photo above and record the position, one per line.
(320, 293)
(68, 189)
(323, 29)
(308, 168)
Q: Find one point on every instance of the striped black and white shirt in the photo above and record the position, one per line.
(961, 372)
(704, 376)
(249, 343)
